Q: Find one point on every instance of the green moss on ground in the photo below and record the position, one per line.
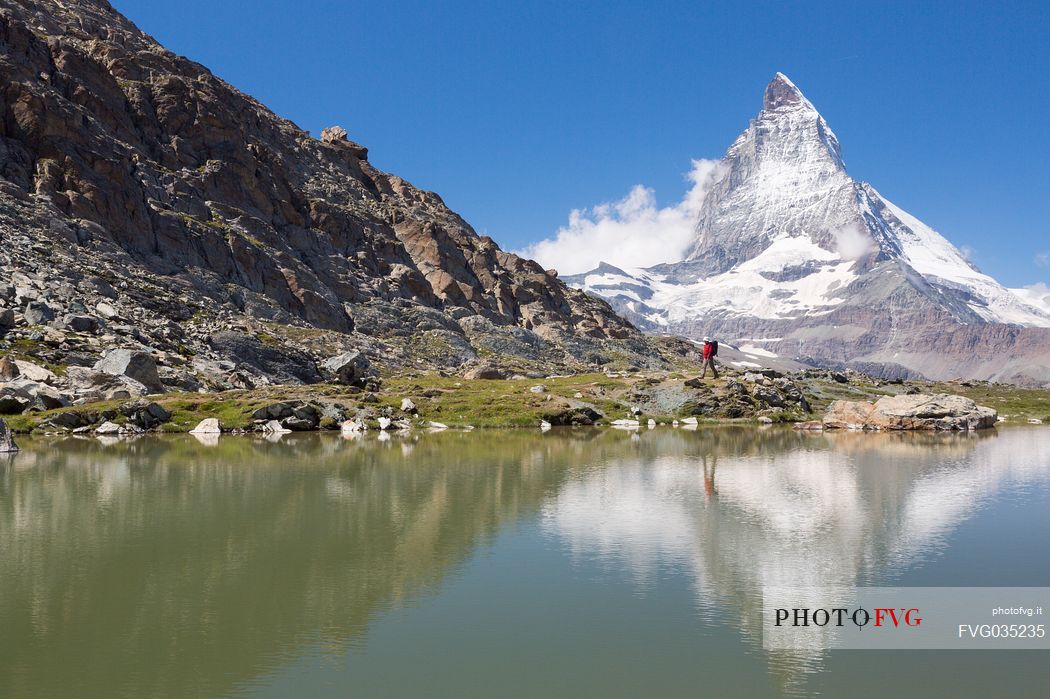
(233, 412)
(498, 403)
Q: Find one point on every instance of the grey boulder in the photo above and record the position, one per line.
(350, 368)
(939, 411)
(38, 313)
(274, 411)
(135, 364)
(80, 323)
(485, 371)
(89, 384)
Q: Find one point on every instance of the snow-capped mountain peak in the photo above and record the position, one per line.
(782, 93)
(788, 245)
(781, 170)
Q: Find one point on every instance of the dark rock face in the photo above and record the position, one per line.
(299, 416)
(7, 440)
(580, 415)
(12, 403)
(133, 175)
(145, 414)
(780, 93)
(282, 365)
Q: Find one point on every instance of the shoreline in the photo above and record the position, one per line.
(418, 400)
(585, 432)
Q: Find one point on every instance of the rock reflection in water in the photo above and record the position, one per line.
(177, 569)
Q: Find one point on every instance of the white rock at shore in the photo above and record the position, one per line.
(274, 427)
(108, 428)
(209, 425)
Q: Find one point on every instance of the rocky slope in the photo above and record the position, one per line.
(146, 204)
(795, 258)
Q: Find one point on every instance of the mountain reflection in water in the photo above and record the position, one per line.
(164, 566)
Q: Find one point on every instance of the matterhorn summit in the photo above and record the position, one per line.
(794, 258)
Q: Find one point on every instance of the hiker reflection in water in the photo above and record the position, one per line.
(709, 475)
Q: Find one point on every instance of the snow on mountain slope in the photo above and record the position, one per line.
(942, 264)
(751, 288)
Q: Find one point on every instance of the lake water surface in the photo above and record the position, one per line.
(500, 563)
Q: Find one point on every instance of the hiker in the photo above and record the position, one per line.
(710, 352)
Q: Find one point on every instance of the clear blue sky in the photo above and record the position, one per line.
(518, 112)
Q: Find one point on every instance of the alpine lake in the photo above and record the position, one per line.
(500, 563)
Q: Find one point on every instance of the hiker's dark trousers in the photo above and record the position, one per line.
(709, 362)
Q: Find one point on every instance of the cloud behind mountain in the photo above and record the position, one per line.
(632, 232)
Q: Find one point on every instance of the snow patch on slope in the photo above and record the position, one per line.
(931, 255)
(756, 351)
(748, 290)
(741, 291)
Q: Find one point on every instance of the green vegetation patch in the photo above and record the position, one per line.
(1015, 403)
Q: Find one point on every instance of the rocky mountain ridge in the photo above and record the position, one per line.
(147, 205)
(796, 259)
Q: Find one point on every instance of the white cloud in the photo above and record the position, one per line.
(968, 252)
(1037, 295)
(853, 242)
(632, 232)
(1043, 258)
